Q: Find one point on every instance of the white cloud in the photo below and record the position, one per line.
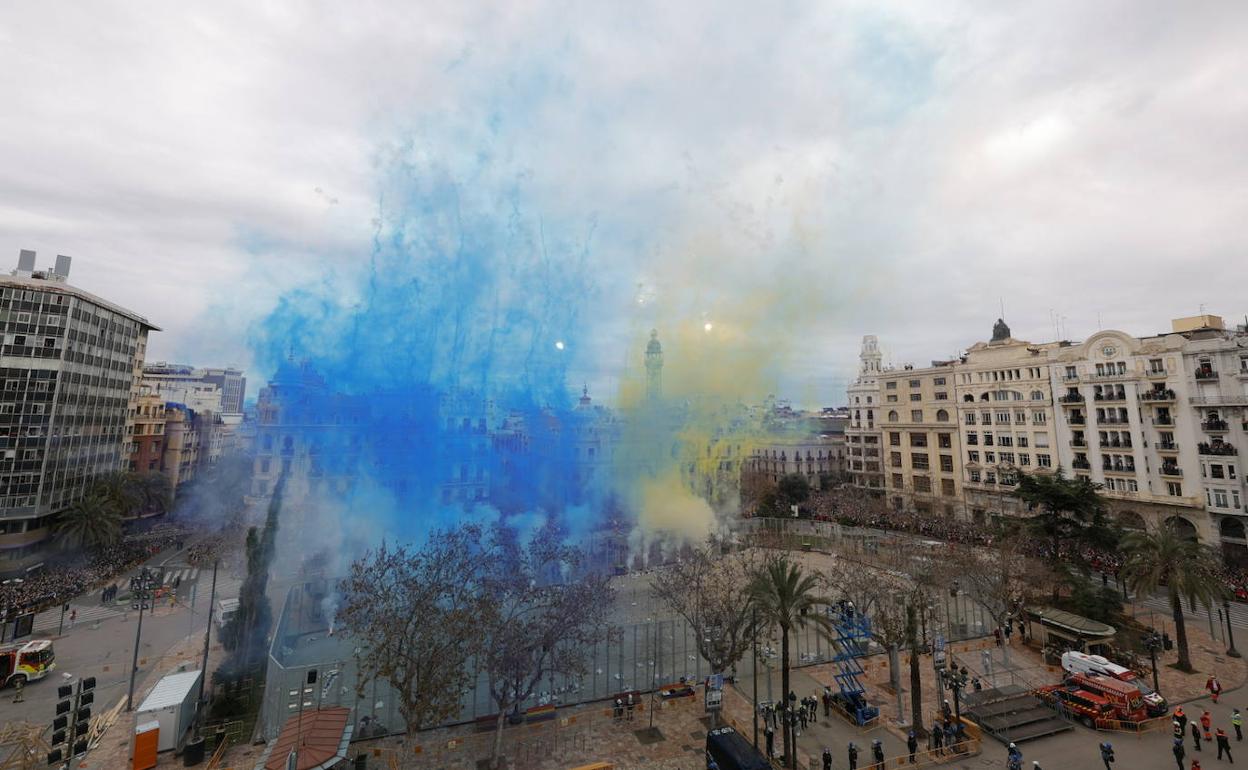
(893, 167)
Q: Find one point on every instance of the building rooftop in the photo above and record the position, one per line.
(58, 286)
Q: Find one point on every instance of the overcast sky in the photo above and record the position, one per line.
(818, 170)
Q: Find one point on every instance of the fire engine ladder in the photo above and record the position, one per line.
(853, 631)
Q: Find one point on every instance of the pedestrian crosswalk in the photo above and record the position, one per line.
(1161, 606)
(49, 621)
(178, 574)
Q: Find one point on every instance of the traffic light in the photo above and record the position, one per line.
(62, 707)
(84, 713)
(60, 723)
(312, 676)
(58, 737)
(82, 728)
(88, 684)
(55, 756)
(80, 747)
(86, 699)
(64, 691)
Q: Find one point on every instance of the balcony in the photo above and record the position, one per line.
(1078, 419)
(1070, 378)
(1220, 448)
(1112, 419)
(1078, 442)
(1110, 396)
(1118, 468)
(1118, 444)
(1155, 373)
(1170, 470)
(1206, 374)
(1165, 394)
(1071, 398)
(1215, 426)
(1163, 419)
(1167, 446)
(1082, 465)
(1238, 400)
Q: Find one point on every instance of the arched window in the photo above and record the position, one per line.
(969, 398)
(892, 415)
(1232, 527)
(1037, 395)
(942, 415)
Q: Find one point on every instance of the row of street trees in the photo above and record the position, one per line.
(474, 598)
(95, 520)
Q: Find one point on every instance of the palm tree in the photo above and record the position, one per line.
(119, 491)
(785, 598)
(1186, 568)
(90, 522)
(153, 490)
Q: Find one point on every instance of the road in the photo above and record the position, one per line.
(100, 642)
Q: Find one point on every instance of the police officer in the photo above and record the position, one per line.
(1196, 736)
(1237, 721)
(938, 736)
(827, 758)
(852, 750)
(771, 742)
(1179, 752)
(1014, 758)
(912, 745)
(877, 753)
(1224, 744)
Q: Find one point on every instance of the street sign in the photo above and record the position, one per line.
(714, 699)
(938, 653)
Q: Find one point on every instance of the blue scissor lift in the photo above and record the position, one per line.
(853, 631)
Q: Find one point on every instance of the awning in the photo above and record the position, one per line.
(1072, 623)
(319, 739)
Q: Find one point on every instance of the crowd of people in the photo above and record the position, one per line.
(66, 578)
(861, 511)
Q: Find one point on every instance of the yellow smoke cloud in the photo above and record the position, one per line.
(667, 507)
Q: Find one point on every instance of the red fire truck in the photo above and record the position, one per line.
(1125, 701)
(26, 661)
(1085, 706)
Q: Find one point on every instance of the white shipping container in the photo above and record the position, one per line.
(171, 703)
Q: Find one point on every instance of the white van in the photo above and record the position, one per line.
(226, 609)
(1082, 663)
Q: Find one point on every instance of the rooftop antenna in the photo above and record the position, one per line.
(1002, 299)
(1098, 321)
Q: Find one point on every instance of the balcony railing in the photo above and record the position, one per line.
(1163, 419)
(1236, 400)
(1078, 419)
(1156, 372)
(1167, 446)
(1118, 468)
(1110, 396)
(1215, 426)
(1171, 470)
(1081, 465)
(1071, 398)
(1217, 448)
(1116, 445)
(1112, 420)
(1070, 378)
(1158, 395)
(1206, 374)
(1078, 442)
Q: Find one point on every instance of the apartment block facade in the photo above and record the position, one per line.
(67, 364)
(1157, 421)
(919, 440)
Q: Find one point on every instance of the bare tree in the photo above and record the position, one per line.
(414, 613)
(537, 617)
(708, 590)
(996, 577)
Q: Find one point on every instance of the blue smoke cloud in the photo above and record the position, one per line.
(431, 384)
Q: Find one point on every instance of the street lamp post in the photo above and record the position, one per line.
(1230, 635)
(955, 679)
(1152, 640)
(141, 586)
